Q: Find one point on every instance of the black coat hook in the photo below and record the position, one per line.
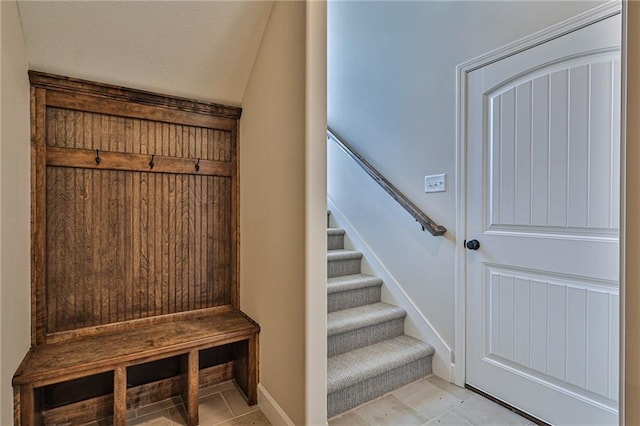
(98, 159)
(151, 163)
(198, 165)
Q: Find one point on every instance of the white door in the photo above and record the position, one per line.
(543, 202)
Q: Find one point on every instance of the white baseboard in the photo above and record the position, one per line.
(271, 409)
(416, 324)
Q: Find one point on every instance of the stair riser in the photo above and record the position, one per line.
(336, 268)
(359, 338)
(335, 242)
(353, 298)
(352, 396)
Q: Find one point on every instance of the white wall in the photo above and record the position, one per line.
(282, 212)
(14, 204)
(391, 94)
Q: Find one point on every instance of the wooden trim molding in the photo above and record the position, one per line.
(109, 160)
(109, 91)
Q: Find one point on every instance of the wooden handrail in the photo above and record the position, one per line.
(425, 221)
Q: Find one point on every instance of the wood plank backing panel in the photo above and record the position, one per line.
(123, 109)
(126, 244)
(117, 239)
(65, 128)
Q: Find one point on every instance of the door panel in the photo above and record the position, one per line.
(551, 146)
(543, 199)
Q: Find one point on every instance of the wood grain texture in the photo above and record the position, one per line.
(129, 240)
(66, 360)
(191, 388)
(38, 226)
(99, 270)
(16, 406)
(108, 91)
(235, 220)
(27, 406)
(135, 256)
(100, 407)
(120, 396)
(112, 132)
(86, 159)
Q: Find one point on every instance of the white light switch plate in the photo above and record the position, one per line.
(435, 183)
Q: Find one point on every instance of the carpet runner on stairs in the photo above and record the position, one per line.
(369, 354)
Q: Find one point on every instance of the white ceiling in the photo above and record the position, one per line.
(196, 49)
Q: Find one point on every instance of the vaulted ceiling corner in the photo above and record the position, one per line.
(196, 49)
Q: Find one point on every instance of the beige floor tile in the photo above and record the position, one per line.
(349, 419)
(388, 410)
(105, 421)
(457, 391)
(158, 418)
(479, 410)
(217, 388)
(157, 406)
(178, 415)
(213, 410)
(236, 402)
(253, 418)
(426, 398)
(448, 418)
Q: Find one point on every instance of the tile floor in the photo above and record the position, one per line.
(428, 401)
(219, 405)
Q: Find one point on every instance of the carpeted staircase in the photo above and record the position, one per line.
(369, 354)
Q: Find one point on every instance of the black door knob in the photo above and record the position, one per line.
(473, 244)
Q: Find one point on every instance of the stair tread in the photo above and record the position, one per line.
(363, 316)
(351, 282)
(343, 254)
(335, 231)
(349, 368)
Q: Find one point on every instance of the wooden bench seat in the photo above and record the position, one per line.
(52, 363)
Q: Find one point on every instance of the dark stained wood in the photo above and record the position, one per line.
(56, 362)
(246, 368)
(16, 406)
(134, 323)
(38, 225)
(107, 91)
(425, 221)
(119, 108)
(86, 159)
(254, 369)
(120, 396)
(80, 412)
(234, 259)
(92, 245)
(27, 406)
(100, 407)
(135, 257)
(191, 389)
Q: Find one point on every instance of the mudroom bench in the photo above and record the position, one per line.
(134, 254)
(113, 353)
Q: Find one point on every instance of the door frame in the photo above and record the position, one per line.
(560, 29)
